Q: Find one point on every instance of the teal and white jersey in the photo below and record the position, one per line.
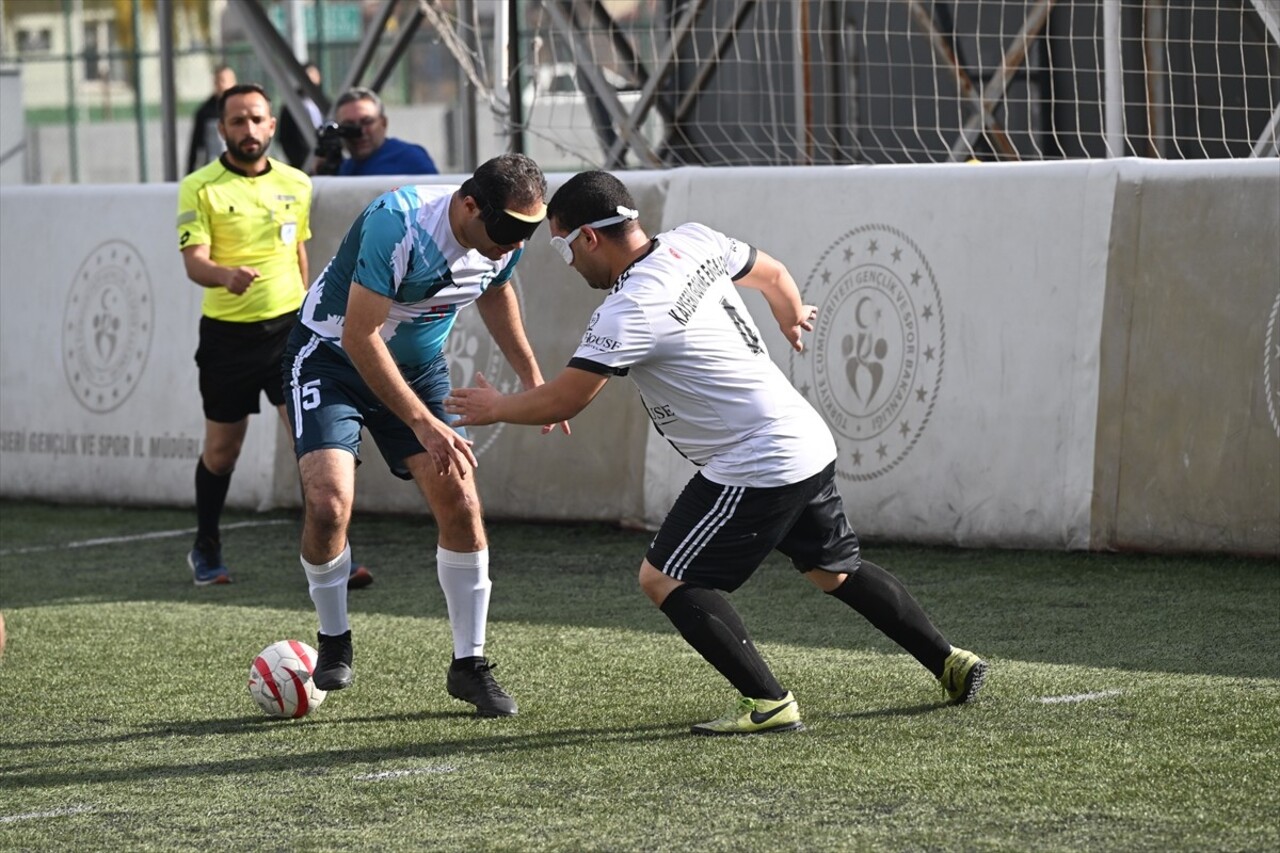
(401, 246)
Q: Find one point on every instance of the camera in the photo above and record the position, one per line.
(329, 145)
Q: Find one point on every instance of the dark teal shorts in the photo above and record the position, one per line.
(328, 402)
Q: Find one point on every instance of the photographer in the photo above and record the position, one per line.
(361, 128)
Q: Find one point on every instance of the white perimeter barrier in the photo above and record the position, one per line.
(1061, 355)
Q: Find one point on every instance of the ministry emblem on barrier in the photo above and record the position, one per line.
(107, 326)
(873, 365)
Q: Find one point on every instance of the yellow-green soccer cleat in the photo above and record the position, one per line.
(962, 675)
(755, 716)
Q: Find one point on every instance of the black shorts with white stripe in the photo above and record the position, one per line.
(717, 536)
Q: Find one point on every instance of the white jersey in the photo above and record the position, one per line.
(676, 324)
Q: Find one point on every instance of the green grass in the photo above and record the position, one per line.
(125, 723)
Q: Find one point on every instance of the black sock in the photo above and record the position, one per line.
(885, 602)
(211, 496)
(708, 622)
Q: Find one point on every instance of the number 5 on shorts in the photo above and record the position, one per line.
(309, 394)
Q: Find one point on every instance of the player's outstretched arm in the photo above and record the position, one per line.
(774, 281)
(500, 311)
(558, 400)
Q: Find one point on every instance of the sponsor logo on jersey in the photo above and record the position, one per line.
(599, 343)
(107, 326)
(874, 364)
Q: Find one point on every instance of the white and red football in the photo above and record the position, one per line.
(280, 679)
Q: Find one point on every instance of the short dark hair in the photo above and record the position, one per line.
(240, 89)
(507, 181)
(359, 93)
(589, 196)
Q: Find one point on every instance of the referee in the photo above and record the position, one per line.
(243, 222)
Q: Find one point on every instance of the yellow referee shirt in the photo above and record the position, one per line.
(248, 221)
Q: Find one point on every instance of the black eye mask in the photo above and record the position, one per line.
(507, 227)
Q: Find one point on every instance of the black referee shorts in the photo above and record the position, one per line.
(238, 362)
(717, 536)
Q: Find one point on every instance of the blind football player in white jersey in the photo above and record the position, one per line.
(674, 322)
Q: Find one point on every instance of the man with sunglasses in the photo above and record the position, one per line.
(361, 116)
(368, 351)
(675, 323)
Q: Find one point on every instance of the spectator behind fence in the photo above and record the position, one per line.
(362, 128)
(206, 141)
(289, 134)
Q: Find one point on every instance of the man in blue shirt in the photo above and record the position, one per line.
(373, 152)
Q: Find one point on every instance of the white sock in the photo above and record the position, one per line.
(327, 583)
(465, 581)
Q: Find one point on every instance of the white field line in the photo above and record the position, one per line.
(69, 810)
(116, 540)
(1079, 697)
(384, 775)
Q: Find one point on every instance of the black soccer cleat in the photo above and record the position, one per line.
(471, 680)
(333, 669)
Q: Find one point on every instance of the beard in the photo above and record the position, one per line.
(241, 154)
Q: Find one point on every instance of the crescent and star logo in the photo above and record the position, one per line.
(107, 326)
(874, 364)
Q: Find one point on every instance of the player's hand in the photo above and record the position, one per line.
(241, 278)
(803, 323)
(448, 450)
(564, 425)
(547, 429)
(474, 405)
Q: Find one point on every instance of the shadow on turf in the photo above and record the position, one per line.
(1207, 615)
(323, 762)
(233, 725)
(912, 711)
(258, 722)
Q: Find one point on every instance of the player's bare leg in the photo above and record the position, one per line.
(328, 490)
(462, 567)
(360, 576)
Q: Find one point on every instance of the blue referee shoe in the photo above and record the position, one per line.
(359, 578)
(207, 568)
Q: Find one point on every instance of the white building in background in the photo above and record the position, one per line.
(13, 146)
(39, 35)
(78, 116)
